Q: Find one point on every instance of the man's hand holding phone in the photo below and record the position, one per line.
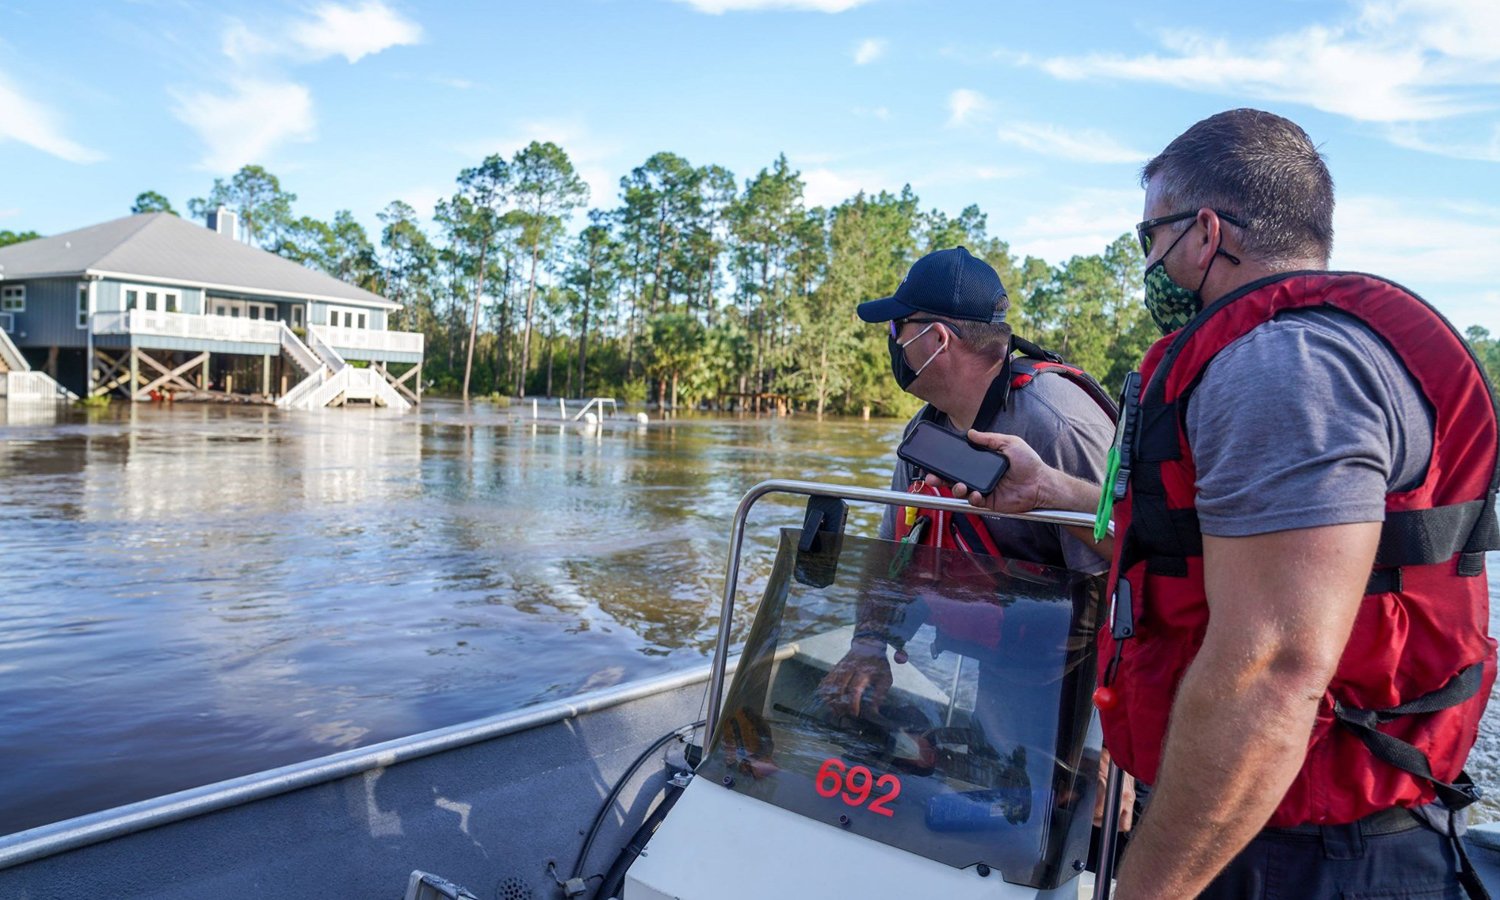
(1023, 488)
(953, 457)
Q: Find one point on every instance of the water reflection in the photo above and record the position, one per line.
(198, 592)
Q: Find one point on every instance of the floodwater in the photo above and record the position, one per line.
(199, 592)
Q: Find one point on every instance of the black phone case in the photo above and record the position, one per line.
(950, 456)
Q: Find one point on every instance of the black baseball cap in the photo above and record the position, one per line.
(949, 283)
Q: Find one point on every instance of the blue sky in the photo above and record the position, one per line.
(1042, 113)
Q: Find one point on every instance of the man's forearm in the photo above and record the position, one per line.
(1282, 606)
(1234, 746)
(1068, 492)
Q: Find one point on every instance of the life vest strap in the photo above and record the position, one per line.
(1396, 752)
(1420, 537)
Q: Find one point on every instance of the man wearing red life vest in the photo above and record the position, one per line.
(1301, 655)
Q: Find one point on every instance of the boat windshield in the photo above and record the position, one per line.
(928, 699)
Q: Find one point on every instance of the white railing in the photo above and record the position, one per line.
(32, 386)
(297, 396)
(11, 356)
(186, 325)
(369, 340)
(325, 351)
(354, 384)
(297, 350)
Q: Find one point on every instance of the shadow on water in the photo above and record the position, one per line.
(199, 592)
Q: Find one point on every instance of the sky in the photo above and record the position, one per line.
(1040, 113)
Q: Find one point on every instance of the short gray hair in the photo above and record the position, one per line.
(984, 338)
(1260, 168)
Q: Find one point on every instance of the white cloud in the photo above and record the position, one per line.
(28, 122)
(1439, 243)
(1083, 222)
(829, 187)
(1083, 145)
(869, 50)
(964, 103)
(247, 123)
(719, 7)
(354, 32)
(1411, 138)
(883, 113)
(257, 109)
(1393, 61)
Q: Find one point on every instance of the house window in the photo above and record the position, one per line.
(254, 311)
(83, 306)
(297, 316)
(361, 320)
(13, 298)
(152, 300)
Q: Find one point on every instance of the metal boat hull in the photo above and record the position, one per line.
(487, 805)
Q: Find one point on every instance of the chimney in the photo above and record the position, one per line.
(223, 221)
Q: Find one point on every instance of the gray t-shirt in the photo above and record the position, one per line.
(1070, 432)
(1306, 421)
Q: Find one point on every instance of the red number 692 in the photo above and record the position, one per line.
(853, 785)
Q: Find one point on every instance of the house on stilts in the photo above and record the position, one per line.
(153, 305)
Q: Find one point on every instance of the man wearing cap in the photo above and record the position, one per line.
(951, 346)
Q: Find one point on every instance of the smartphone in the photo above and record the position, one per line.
(951, 456)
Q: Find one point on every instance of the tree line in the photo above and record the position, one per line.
(689, 288)
(692, 289)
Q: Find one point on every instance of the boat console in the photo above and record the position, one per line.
(902, 717)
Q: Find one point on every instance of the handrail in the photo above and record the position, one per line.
(12, 356)
(322, 348)
(187, 325)
(843, 492)
(298, 351)
(312, 382)
(370, 338)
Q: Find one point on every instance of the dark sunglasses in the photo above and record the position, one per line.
(1143, 229)
(897, 323)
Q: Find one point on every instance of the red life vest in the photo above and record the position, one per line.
(1419, 664)
(981, 623)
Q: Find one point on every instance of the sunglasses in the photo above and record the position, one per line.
(1143, 229)
(897, 323)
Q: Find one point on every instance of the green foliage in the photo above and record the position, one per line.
(150, 202)
(264, 209)
(98, 401)
(15, 237)
(633, 393)
(1487, 350)
(689, 289)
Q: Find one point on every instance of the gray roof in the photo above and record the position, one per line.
(163, 247)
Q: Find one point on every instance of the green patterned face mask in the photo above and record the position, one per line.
(1170, 304)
